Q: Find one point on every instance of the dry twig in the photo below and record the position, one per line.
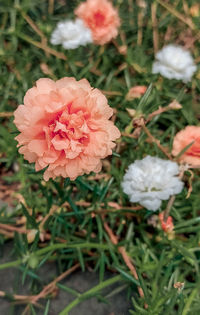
(6, 114)
(47, 290)
(155, 27)
(153, 139)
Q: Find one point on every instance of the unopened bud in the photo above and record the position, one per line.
(195, 10)
(167, 225)
(175, 105)
(142, 4)
(33, 261)
(136, 92)
(179, 286)
(131, 112)
(31, 235)
(123, 50)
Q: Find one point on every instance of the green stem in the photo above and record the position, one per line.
(11, 264)
(169, 206)
(90, 293)
(55, 247)
(61, 246)
(189, 301)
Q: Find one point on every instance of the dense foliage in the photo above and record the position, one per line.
(90, 221)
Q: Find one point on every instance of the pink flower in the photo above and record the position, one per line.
(167, 226)
(182, 139)
(65, 126)
(102, 19)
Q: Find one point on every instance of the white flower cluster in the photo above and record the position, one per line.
(151, 180)
(71, 34)
(174, 62)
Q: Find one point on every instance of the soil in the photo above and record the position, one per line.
(11, 282)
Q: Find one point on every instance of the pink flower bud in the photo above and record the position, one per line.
(136, 92)
(167, 226)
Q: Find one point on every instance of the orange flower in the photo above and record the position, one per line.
(182, 139)
(65, 126)
(167, 226)
(102, 19)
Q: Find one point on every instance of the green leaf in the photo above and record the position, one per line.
(30, 219)
(144, 99)
(127, 276)
(184, 150)
(46, 311)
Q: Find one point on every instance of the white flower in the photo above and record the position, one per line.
(71, 34)
(174, 62)
(151, 180)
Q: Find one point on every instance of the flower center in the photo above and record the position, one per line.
(149, 189)
(99, 18)
(68, 133)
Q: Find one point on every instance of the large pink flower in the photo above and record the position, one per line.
(102, 19)
(189, 135)
(65, 125)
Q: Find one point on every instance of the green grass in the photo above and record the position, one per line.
(160, 262)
